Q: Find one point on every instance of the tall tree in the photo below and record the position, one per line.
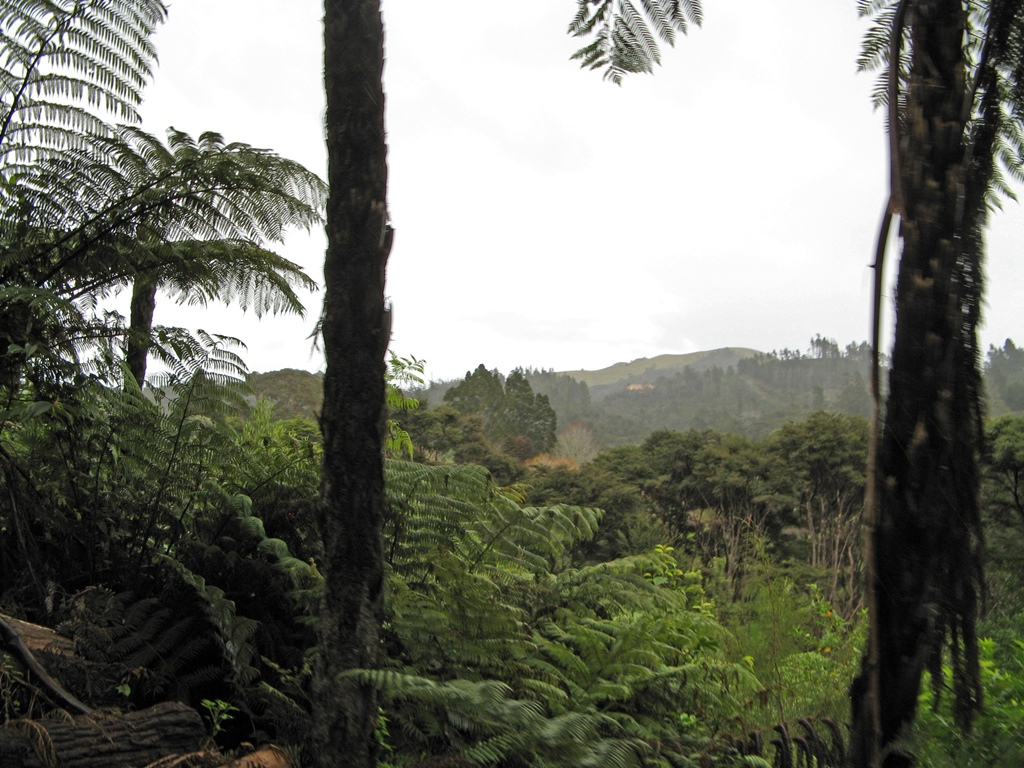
(955, 125)
(511, 413)
(88, 208)
(924, 552)
(356, 332)
(65, 66)
(821, 467)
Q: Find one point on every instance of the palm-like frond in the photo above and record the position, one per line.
(88, 208)
(625, 36)
(194, 216)
(129, 209)
(994, 53)
(59, 54)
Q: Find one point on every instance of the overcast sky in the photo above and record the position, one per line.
(547, 218)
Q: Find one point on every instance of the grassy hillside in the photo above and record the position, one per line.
(647, 370)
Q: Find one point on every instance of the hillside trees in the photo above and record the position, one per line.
(822, 460)
(794, 497)
(512, 415)
(1005, 467)
(1003, 507)
(1004, 376)
(569, 398)
(727, 495)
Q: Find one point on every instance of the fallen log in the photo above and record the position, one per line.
(38, 638)
(268, 756)
(264, 757)
(9, 631)
(103, 739)
(168, 735)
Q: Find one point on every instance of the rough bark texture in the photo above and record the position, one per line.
(129, 740)
(356, 333)
(140, 327)
(926, 538)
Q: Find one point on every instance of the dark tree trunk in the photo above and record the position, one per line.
(926, 538)
(356, 333)
(140, 327)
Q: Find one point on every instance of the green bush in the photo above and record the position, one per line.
(997, 738)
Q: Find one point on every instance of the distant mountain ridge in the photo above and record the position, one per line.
(647, 370)
(732, 389)
(297, 393)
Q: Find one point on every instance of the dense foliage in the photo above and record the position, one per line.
(511, 414)
(700, 605)
(693, 597)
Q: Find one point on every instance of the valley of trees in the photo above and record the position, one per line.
(753, 395)
(667, 571)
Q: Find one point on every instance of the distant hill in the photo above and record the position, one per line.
(726, 390)
(647, 370)
(752, 397)
(294, 393)
(732, 389)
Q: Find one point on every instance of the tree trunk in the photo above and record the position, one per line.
(129, 740)
(140, 327)
(356, 333)
(926, 537)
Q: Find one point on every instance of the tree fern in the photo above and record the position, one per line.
(233, 631)
(994, 90)
(88, 208)
(139, 649)
(625, 34)
(192, 216)
(594, 663)
(60, 54)
(966, 75)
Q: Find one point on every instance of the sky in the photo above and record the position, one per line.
(547, 218)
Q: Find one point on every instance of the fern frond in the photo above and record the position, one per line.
(233, 631)
(623, 40)
(99, 53)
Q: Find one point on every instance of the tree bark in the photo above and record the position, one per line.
(356, 333)
(140, 327)
(925, 542)
(102, 740)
